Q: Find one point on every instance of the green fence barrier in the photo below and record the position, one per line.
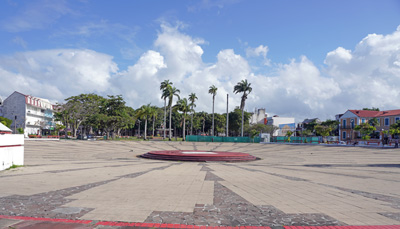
(282, 139)
(199, 138)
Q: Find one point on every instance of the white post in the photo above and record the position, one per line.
(227, 115)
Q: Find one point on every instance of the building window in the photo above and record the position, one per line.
(386, 121)
(344, 135)
(344, 123)
(397, 119)
(363, 120)
(352, 123)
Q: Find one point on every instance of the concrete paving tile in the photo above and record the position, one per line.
(7, 223)
(288, 177)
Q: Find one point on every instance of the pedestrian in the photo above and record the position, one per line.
(396, 143)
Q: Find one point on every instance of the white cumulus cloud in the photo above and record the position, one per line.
(369, 76)
(69, 71)
(366, 76)
(259, 51)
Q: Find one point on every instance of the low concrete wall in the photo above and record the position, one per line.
(11, 150)
(42, 139)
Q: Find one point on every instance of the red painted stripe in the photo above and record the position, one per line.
(10, 146)
(157, 225)
(44, 219)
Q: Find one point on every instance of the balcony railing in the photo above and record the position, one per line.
(347, 127)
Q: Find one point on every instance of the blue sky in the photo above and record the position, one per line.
(305, 58)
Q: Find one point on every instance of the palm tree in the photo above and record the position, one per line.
(144, 112)
(192, 99)
(170, 92)
(183, 106)
(243, 86)
(153, 114)
(163, 87)
(213, 91)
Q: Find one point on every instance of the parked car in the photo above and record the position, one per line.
(91, 137)
(82, 137)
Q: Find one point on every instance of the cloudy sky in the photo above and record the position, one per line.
(304, 59)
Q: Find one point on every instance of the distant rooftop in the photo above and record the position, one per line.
(375, 114)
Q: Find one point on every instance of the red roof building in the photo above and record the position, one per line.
(352, 118)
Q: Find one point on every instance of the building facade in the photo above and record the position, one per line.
(259, 117)
(34, 115)
(284, 124)
(301, 126)
(351, 118)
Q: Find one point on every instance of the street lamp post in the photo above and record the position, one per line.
(15, 125)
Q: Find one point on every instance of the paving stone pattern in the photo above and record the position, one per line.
(49, 204)
(229, 209)
(290, 185)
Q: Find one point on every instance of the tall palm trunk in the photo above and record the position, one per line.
(154, 120)
(242, 120)
(191, 125)
(170, 122)
(165, 115)
(145, 129)
(212, 131)
(184, 122)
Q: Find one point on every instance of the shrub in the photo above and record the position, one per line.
(20, 130)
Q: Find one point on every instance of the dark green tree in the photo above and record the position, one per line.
(164, 87)
(170, 92)
(145, 112)
(192, 99)
(365, 130)
(235, 120)
(78, 109)
(183, 106)
(371, 109)
(5, 121)
(373, 122)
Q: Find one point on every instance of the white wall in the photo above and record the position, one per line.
(11, 150)
(276, 121)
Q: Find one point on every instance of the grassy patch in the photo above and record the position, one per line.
(14, 167)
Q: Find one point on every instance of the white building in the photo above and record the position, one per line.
(283, 123)
(259, 117)
(33, 114)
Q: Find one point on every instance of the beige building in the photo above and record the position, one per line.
(351, 118)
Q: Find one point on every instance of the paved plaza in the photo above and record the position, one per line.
(98, 181)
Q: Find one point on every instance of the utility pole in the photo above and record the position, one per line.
(15, 125)
(227, 115)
